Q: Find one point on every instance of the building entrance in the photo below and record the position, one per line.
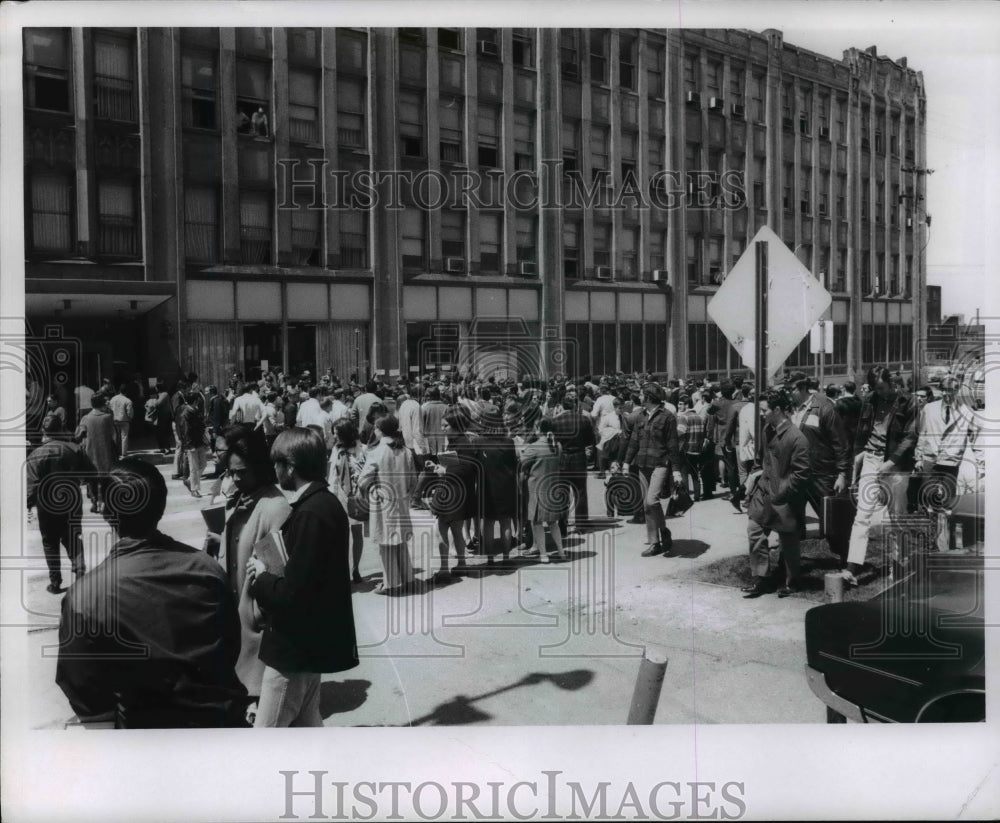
(302, 349)
(261, 341)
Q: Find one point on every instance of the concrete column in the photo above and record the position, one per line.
(328, 120)
(230, 199)
(388, 335)
(853, 230)
(86, 193)
(279, 129)
(550, 253)
(675, 252)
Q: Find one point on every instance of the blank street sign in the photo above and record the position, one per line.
(796, 300)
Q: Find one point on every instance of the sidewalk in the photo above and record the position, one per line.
(537, 645)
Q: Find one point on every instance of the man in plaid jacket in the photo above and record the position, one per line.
(652, 448)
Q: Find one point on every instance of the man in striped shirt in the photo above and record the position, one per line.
(690, 438)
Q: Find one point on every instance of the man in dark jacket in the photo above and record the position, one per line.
(726, 411)
(652, 448)
(54, 471)
(816, 417)
(152, 634)
(310, 620)
(777, 496)
(884, 448)
(575, 433)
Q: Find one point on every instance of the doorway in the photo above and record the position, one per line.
(302, 349)
(261, 341)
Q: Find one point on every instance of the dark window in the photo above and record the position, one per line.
(255, 227)
(47, 69)
(303, 45)
(351, 112)
(118, 226)
(303, 106)
(114, 74)
(201, 224)
(253, 98)
(51, 200)
(450, 39)
(198, 90)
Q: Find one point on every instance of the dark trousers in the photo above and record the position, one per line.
(691, 469)
(709, 471)
(65, 529)
(573, 471)
(732, 472)
(820, 487)
(163, 436)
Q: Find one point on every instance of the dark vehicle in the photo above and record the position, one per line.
(912, 654)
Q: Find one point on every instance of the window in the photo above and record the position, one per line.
(599, 56)
(757, 87)
(114, 71)
(692, 248)
(736, 75)
(47, 71)
(411, 124)
(51, 213)
(198, 90)
(626, 62)
(453, 233)
(413, 227)
(489, 137)
(411, 35)
(255, 227)
(524, 140)
(489, 242)
(715, 261)
(303, 45)
(351, 112)
(602, 244)
(306, 232)
(628, 150)
(654, 70)
(527, 239)
(524, 48)
(450, 119)
(303, 106)
(253, 102)
(657, 250)
(569, 53)
(571, 249)
(713, 79)
(570, 145)
(352, 52)
(118, 234)
(691, 72)
(839, 283)
(488, 43)
(251, 39)
(598, 151)
(866, 274)
(451, 73)
(630, 254)
(450, 39)
(201, 224)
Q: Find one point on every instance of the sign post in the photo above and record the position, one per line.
(760, 340)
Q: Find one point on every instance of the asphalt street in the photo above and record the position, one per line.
(556, 644)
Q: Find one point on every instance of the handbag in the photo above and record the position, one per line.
(837, 515)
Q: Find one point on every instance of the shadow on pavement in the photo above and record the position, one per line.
(460, 710)
(340, 697)
(689, 548)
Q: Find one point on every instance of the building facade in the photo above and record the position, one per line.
(210, 198)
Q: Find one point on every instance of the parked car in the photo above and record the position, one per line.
(912, 654)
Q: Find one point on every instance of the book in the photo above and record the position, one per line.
(215, 518)
(271, 550)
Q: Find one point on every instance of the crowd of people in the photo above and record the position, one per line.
(502, 468)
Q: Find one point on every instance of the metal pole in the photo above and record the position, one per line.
(648, 685)
(760, 342)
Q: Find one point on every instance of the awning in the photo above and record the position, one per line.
(109, 299)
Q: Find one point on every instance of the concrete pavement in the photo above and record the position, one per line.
(556, 644)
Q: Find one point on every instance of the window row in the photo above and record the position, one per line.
(886, 344)
(609, 348)
(51, 220)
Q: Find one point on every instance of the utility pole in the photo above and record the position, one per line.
(918, 293)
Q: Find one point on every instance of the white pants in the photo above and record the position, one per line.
(878, 496)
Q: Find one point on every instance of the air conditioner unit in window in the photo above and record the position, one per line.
(662, 276)
(571, 69)
(716, 103)
(693, 98)
(824, 132)
(454, 265)
(489, 48)
(738, 110)
(527, 269)
(603, 272)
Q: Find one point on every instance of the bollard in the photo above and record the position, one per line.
(647, 688)
(833, 588)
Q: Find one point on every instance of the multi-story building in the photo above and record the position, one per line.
(163, 229)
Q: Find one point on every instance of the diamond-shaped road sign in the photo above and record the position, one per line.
(795, 301)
